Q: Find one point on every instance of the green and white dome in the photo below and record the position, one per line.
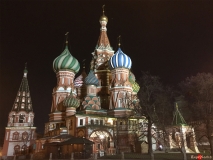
(66, 61)
(71, 101)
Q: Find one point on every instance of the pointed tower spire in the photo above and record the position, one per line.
(178, 118)
(25, 70)
(23, 100)
(103, 40)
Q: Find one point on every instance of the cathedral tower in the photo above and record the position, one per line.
(65, 66)
(121, 88)
(19, 132)
(99, 63)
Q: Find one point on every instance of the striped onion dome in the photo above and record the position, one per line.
(120, 60)
(91, 79)
(131, 77)
(66, 61)
(79, 81)
(135, 87)
(71, 101)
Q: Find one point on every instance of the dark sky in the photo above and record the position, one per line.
(171, 39)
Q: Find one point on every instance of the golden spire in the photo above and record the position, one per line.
(119, 41)
(103, 17)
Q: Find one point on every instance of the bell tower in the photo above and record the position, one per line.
(20, 128)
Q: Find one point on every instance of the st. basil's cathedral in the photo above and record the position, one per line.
(94, 105)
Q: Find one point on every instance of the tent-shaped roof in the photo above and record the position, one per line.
(178, 118)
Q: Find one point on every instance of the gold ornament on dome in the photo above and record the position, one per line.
(103, 17)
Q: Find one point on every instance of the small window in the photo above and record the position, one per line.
(81, 122)
(25, 136)
(101, 122)
(29, 106)
(121, 123)
(23, 93)
(17, 100)
(28, 100)
(119, 77)
(96, 121)
(92, 90)
(99, 146)
(92, 121)
(23, 99)
(21, 118)
(119, 103)
(22, 105)
(15, 136)
(16, 106)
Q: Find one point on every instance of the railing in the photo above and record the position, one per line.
(99, 124)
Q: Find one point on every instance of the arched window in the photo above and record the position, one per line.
(23, 93)
(28, 100)
(16, 149)
(25, 136)
(15, 136)
(29, 106)
(23, 99)
(22, 105)
(21, 118)
(92, 90)
(24, 149)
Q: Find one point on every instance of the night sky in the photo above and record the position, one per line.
(171, 39)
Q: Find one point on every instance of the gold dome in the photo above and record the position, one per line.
(104, 18)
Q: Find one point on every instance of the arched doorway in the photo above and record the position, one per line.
(101, 141)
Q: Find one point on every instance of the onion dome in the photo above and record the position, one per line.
(66, 61)
(131, 77)
(135, 87)
(79, 81)
(91, 79)
(71, 101)
(120, 60)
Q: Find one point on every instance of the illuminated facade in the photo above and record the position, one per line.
(19, 133)
(97, 106)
